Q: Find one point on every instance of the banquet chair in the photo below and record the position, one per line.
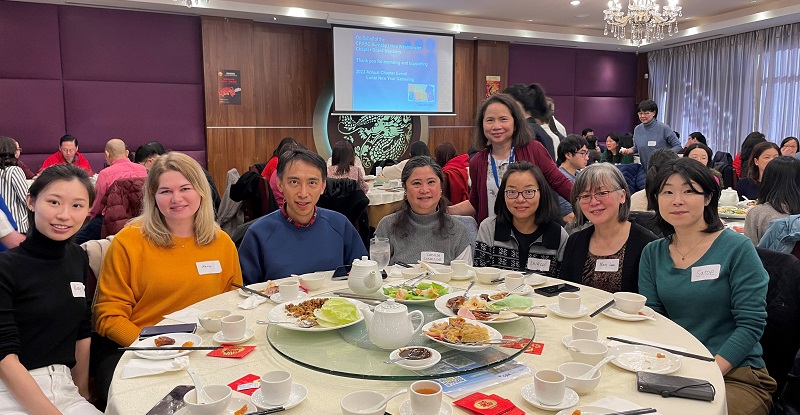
(781, 338)
(346, 197)
(472, 228)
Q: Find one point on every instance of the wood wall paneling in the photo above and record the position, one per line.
(642, 84)
(458, 128)
(491, 58)
(227, 44)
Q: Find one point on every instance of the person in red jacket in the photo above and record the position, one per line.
(454, 167)
(504, 137)
(68, 154)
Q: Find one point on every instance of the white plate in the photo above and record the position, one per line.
(586, 410)
(469, 276)
(248, 334)
(234, 405)
(529, 394)
(445, 409)
(535, 279)
(278, 299)
(180, 338)
(434, 359)
(298, 394)
(257, 286)
(566, 340)
(557, 310)
(493, 335)
(277, 314)
(426, 301)
(441, 305)
(370, 177)
(644, 359)
(526, 289)
(619, 315)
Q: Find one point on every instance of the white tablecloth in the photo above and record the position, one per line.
(136, 396)
(378, 196)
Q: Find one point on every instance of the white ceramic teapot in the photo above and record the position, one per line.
(728, 197)
(389, 326)
(365, 276)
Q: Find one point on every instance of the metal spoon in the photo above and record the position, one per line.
(300, 323)
(202, 396)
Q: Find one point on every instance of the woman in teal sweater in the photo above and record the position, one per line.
(709, 280)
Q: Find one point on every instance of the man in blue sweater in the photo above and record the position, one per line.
(300, 237)
(651, 134)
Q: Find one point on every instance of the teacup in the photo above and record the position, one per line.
(233, 326)
(425, 397)
(276, 387)
(289, 289)
(584, 330)
(569, 303)
(549, 386)
(513, 280)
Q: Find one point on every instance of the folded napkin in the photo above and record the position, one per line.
(144, 367)
(187, 315)
(648, 342)
(617, 404)
(252, 302)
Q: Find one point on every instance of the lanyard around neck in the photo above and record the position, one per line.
(494, 166)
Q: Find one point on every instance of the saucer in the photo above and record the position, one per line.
(526, 289)
(445, 409)
(529, 394)
(535, 279)
(566, 340)
(557, 310)
(278, 299)
(299, 393)
(234, 405)
(468, 276)
(248, 334)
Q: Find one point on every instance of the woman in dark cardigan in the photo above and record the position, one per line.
(606, 254)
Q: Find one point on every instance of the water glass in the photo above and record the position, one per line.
(379, 251)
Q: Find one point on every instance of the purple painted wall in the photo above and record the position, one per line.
(99, 74)
(591, 89)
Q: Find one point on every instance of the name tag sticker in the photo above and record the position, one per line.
(705, 272)
(607, 265)
(209, 267)
(435, 257)
(651, 143)
(78, 289)
(538, 264)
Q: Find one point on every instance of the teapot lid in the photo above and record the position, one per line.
(390, 306)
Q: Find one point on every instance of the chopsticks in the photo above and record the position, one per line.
(522, 314)
(633, 412)
(172, 348)
(250, 290)
(358, 296)
(600, 310)
(673, 351)
(267, 411)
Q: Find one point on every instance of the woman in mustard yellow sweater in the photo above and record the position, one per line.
(168, 258)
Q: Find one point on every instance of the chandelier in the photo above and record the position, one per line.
(191, 3)
(646, 22)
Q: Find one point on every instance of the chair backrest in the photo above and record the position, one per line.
(346, 197)
(472, 228)
(268, 203)
(781, 338)
(646, 220)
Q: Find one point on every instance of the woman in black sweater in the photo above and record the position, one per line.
(606, 254)
(44, 311)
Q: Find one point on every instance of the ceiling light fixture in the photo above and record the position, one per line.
(575, 2)
(647, 22)
(191, 3)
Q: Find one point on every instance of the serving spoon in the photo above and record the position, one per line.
(300, 323)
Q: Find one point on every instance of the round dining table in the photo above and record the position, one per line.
(136, 396)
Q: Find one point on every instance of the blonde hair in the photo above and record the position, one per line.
(151, 221)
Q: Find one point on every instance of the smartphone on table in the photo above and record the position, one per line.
(554, 290)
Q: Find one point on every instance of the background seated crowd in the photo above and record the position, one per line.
(498, 207)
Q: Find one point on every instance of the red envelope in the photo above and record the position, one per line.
(232, 351)
(245, 379)
(534, 348)
(485, 404)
